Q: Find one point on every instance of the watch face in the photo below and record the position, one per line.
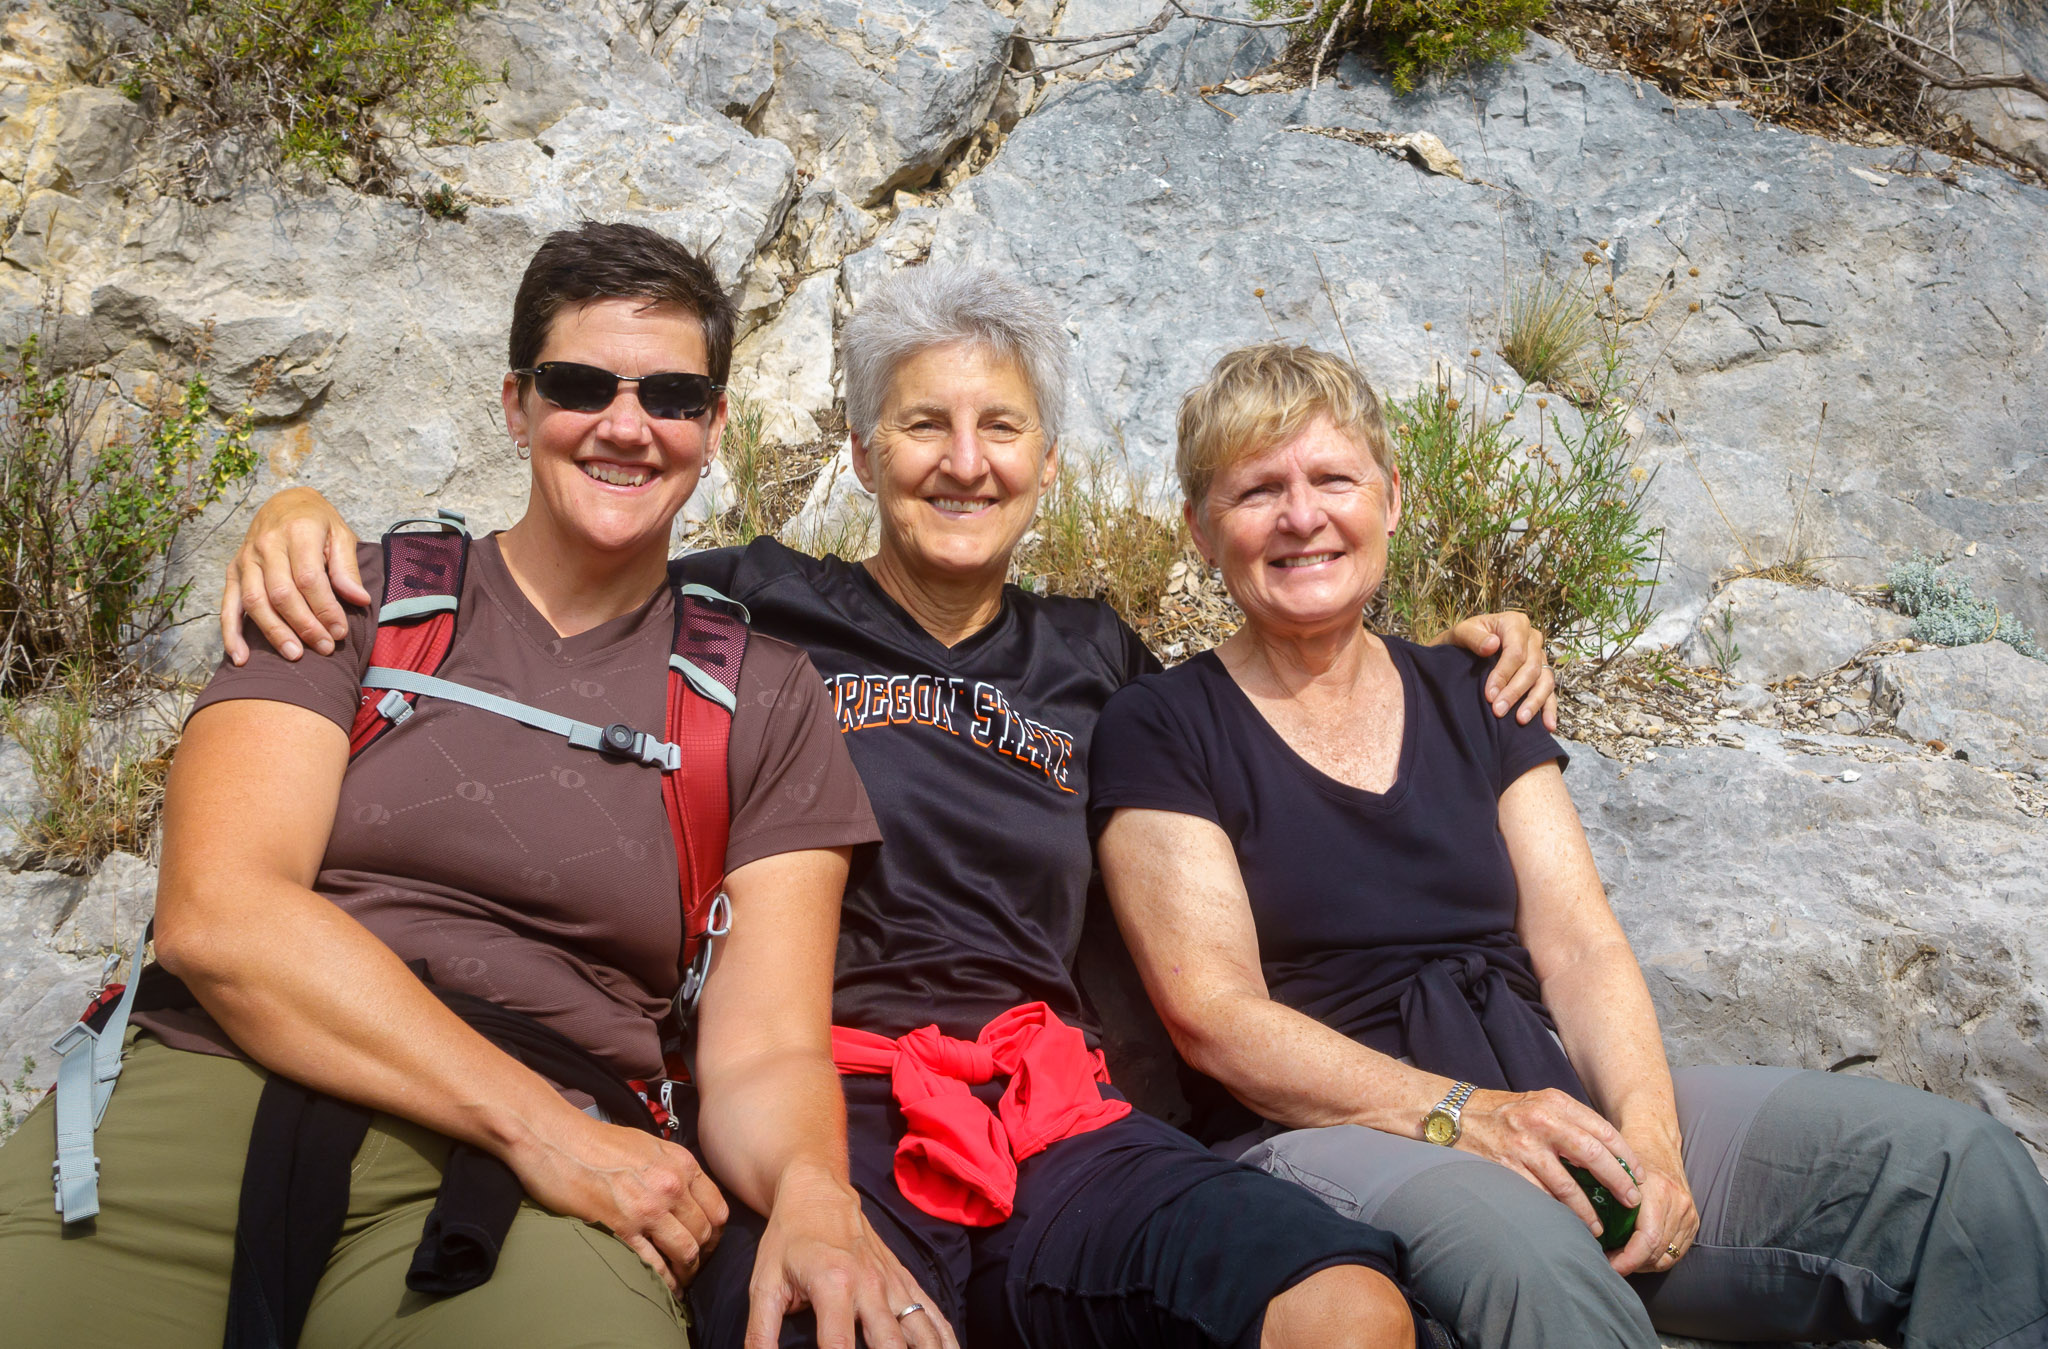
(1439, 1128)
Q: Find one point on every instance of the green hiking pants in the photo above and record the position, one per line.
(153, 1267)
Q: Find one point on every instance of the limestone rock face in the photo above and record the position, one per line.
(42, 990)
(1985, 702)
(1785, 913)
(874, 95)
(2009, 40)
(1152, 219)
(1766, 631)
(786, 367)
(111, 911)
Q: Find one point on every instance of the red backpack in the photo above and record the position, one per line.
(416, 628)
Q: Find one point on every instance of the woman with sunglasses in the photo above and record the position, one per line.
(500, 862)
(990, 1150)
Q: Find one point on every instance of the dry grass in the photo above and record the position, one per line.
(1804, 64)
(765, 484)
(1551, 333)
(101, 783)
(1094, 539)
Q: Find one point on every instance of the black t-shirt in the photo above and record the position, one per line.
(975, 758)
(1352, 892)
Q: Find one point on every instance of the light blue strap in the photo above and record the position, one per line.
(441, 518)
(89, 1061)
(703, 592)
(414, 607)
(580, 734)
(704, 683)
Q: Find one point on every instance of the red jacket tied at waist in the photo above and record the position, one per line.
(957, 1160)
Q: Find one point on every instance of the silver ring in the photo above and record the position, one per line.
(913, 1307)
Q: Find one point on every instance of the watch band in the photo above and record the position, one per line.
(1445, 1115)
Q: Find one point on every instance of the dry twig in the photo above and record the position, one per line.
(1123, 39)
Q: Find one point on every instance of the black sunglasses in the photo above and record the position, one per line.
(668, 396)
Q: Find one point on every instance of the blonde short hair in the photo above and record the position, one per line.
(1258, 397)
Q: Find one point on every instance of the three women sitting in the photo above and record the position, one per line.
(1367, 909)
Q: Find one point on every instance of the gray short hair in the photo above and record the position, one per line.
(938, 305)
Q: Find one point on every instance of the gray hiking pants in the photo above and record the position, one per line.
(1830, 1208)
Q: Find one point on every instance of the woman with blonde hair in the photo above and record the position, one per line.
(1366, 908)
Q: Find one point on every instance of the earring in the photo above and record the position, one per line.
(519, 448)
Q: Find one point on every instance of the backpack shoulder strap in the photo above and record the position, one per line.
(416, 618)
(703, 689)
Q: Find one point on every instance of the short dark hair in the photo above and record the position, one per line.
(598, 261)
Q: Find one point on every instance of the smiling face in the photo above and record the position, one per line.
(1300, 530)
(613, 480)
(957, 463)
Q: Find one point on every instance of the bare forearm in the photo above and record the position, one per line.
(1609, 1028)
(1295, 1071)
(308, 992)
(772, 1118)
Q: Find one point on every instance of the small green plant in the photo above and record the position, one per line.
(1721, 645)
(17, 1093)
(92, 498)
(444, 203)
(326, 81)
(1946, 611)
(1492, 522)
(1092, 538)
(1418, 38)
(1551, 332)
(97, 798)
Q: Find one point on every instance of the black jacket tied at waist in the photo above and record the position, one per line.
(1477, 1020)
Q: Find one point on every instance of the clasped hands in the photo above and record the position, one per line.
(1534, 1134)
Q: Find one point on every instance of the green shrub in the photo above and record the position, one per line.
(1490, 522)
(1947, 612)
(326, 79)
(92, 498)
(1418, 38)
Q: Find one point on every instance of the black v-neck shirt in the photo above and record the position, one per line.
(975, 758)
(1352, 892)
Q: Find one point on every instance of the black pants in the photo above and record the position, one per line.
(1133, 1235)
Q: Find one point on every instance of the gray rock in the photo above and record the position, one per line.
(906, 239)
(41, 990)
(1783, 915)
(722, 56)
(559, 56)
(1986, 702)
(838, 516)
(1767, 631)
(786, 366)
(873, 96)
(2006, 39)
(828, 226)
(1151, 220)
(19, 799)
(111, 912)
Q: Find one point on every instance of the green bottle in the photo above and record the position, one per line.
(1617, 1220)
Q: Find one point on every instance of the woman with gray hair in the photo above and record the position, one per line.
(991, 1152)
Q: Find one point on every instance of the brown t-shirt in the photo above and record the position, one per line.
(522, 870)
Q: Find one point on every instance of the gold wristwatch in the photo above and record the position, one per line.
(1440, 1126)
